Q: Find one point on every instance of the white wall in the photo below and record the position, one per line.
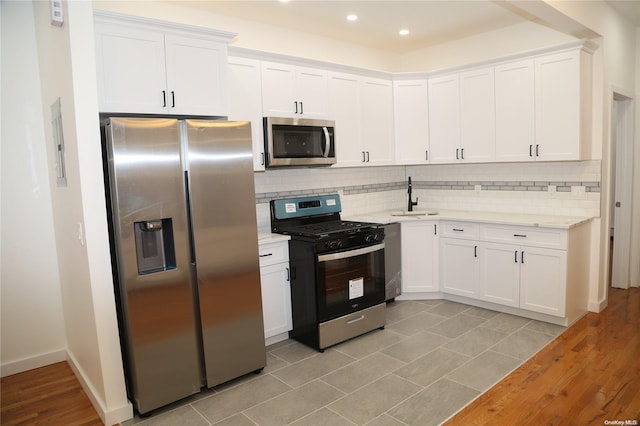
(30, 284)
(492, 44)
(255, 35)
(67, 71)
(618, 62)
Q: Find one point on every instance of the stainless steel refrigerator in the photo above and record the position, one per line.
(184, 242)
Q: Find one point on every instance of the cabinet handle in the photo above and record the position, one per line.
(435, 229)
(475, 251)
(288, 275)
(364, 157)
(537, 150)
(367, 156)
(301, 108)
(457, 156)
(266, 255)
(262, 154)
(458, 230)
(522, 257)
(520, 235)
(173, 99)
(462, 154)
(515, 256)
(426, 155)
(164, 99)
(530, 151)
(296, 104)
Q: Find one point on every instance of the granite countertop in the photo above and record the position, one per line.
(517, 219)
(268, 237)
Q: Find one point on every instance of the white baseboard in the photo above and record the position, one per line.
(31, 363)
(598, 306)
(108, 417)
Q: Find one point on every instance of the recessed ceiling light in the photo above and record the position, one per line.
(285, 1)
(352, 17)
(403, 32)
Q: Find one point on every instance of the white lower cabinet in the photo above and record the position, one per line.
(419, 242)
(500, 273)
(530, 268)
(543, 280)
(459, 267)
(276, 290)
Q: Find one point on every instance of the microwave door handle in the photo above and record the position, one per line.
(327, 142)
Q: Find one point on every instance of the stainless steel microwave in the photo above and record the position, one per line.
(299, 142)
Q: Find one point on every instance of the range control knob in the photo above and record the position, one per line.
(333, 244)
(371, 237)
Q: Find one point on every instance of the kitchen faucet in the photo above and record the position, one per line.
(411, 203)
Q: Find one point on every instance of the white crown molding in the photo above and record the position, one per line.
(106, 17)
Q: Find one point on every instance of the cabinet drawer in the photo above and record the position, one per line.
(464, 230)
(273, 253)
(525, 235)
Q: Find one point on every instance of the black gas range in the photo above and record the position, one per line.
(337, 270)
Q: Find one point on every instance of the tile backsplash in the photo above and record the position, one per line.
(560, 188)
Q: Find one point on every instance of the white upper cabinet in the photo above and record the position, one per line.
(362, 108)
(411, 113)
(444, 119)
(462, 118)
(377, 121)
(477, 115)
(152, 69)
(245, 102)
(515, 121)
(561, 133)
(196, 76)
(543, 107)
(293, 91)
(131, 70)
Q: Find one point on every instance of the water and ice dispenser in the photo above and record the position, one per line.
(155, 250)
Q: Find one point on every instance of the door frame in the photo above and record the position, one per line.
(621, 187)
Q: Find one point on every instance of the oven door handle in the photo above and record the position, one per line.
(350, 253)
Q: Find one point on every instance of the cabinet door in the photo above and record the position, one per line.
(377, 121)
(344, 103)
(276, 299)
(278, 89)
(419, 257)
(411, 112)
(459, 267)
(196, 76)
(245, 102)
(557, 83)
(515, 120)
(500, 273)
(444, 119)
(543, 280)
(311, 90)
(131, 70)
(477, 116)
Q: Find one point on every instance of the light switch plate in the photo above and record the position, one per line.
(57, 15)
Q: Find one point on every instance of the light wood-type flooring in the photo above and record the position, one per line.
(588, 375)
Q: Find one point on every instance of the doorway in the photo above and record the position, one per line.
(622, 155)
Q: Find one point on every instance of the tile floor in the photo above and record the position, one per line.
(432, 358)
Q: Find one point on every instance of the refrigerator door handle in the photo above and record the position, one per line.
(192, 247)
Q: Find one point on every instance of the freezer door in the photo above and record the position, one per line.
(155, 292)
(226, 247)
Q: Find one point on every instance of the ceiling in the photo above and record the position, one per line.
(429, 22)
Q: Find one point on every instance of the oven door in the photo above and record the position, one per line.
(348, 281)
